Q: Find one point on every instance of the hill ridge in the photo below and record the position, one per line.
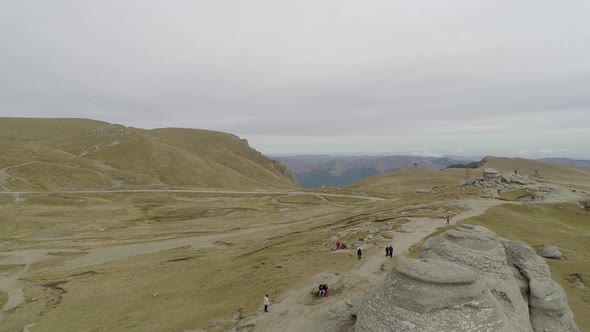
(62, 154)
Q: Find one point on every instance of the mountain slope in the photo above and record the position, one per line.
(566, 161)
(408, 180)
(67, 154)
(343, 171)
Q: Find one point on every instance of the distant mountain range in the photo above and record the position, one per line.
(324, 170)
(70, 154)
(566, 161)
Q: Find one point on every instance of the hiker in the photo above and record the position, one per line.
(498, 192)
(342, 246)
(325, 290)
(266, 303)
(337, 244)
(359, 252)
(515, 172)
(448, 220)
(387, 251)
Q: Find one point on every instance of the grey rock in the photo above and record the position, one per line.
(468, 279)
(551, 252)
(490, 174)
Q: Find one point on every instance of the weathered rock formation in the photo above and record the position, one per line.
(490, 174)
(468, 279)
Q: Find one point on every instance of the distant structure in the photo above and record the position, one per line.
(415, 165)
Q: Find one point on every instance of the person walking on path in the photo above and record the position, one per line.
(266, 303)
(448, 220)
(390, 251)
(386, 251)
(359, 252)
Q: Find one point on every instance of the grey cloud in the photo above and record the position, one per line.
(424, 70)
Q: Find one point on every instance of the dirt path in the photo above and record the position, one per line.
(300, 310)
(9, 281)
(194, 191)
(5, 177)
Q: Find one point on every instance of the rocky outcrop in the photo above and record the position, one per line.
(468, 279)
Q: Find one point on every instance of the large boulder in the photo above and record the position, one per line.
(490, 174)
(551, 252)
(468, 279)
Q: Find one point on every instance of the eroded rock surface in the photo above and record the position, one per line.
(468, 279)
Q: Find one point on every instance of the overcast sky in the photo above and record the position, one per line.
(498, 77)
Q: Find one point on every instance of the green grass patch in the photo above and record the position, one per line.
(5, 199)
(346, 200)
(356, 236)
(11, 267)
(3, 299)
(300, 199)
(516, 195)
(564, 225)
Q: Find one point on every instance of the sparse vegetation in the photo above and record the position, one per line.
(399, 183)
(300, 199)
(82, 154)
(516, 195)
(3, 299)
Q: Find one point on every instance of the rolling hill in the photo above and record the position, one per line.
(567, 161)
(557, 173)
(68, 154)
(408, 180)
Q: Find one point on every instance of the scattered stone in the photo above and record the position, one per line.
(155, 294)
(551, 252)
(577, 281)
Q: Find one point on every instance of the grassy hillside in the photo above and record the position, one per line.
(408, 180)
(557, 173)
(68, 154)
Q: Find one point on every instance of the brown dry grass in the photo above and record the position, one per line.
(262, 248)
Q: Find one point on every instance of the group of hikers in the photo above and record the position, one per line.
(323, 288)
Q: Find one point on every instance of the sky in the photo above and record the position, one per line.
(461, 77)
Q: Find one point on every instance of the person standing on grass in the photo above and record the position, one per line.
(266, 303)
(359, 252)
